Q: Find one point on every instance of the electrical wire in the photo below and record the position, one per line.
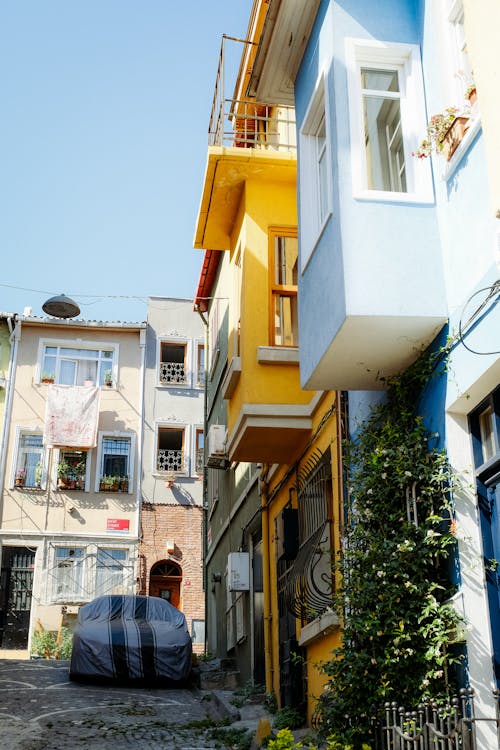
(493, 291)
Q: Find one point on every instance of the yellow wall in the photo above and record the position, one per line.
(264, 204)
(319, 650)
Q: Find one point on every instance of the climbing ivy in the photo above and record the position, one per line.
(398, 630)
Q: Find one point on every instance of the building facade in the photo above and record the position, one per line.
(170, 550)
(398, 248)
(273, 499)
(70, 499)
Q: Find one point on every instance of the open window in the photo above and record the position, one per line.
(386, 113)
(283, 258)
(173, 365)
(170, 453)
(73, 469)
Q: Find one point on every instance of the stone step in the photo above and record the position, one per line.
(219, 680)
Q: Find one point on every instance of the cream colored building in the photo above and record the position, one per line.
(69, 517)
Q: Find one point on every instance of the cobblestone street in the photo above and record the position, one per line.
(40, 709)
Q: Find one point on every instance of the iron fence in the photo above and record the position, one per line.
(429, 727)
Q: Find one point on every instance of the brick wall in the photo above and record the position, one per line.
(181, 524)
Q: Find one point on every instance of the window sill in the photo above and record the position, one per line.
(385, 196)
(318, 628)
(277, 355)
(465, 144)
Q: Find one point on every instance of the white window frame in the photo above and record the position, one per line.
(460, 62)
(77, 344)
(312, 220)
(20, 431)
(199, 382)
(196, 429)
(181, 341)
(57, 458)
(83, 594)
(186, 443)
(405, 58)
(126, 567)
(115, 434)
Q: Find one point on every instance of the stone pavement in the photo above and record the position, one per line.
(40, 709)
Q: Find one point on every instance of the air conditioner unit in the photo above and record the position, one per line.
(216, 447)
(238, 571)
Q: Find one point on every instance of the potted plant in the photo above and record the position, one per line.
(444, 133)
(123, 486)
(108, 378)
(64, 475)
(108, 482)
(20, 478)
(47, 377)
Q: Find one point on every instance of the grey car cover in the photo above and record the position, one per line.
(130, 638)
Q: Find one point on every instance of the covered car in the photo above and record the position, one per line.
(130, 638)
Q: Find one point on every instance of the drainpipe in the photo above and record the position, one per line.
(205, 475)
(142, 344)
(266, 574)
(14, 337)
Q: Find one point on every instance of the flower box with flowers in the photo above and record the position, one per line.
(20, 478)
(444, 133)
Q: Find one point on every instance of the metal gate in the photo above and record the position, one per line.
(16, 586)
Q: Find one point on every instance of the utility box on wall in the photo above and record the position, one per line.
(238, 571)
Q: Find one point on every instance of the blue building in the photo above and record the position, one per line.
(396, 249)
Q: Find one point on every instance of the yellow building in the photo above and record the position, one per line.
(248, 210)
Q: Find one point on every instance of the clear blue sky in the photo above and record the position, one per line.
(103, 138)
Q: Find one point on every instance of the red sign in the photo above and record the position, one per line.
(118, 524)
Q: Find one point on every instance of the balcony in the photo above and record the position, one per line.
(247, 140)
(169, 460)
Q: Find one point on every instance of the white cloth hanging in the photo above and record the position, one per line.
(71, 416)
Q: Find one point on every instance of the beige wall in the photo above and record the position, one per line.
(49, 517)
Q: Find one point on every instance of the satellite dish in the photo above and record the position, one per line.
(61, 307)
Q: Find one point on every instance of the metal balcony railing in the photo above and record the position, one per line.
(246, 123)
(172, 373)
(169, 460)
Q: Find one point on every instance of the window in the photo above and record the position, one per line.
(283, 257)
(30, 462)
(218, 312)
(173, 367)
(170, 451)
(213, 489)
(200, 364)
(112, 571)
(199, 451)
(386, 109)
(460, 62)
(69, 573)
(70, 365)
(72, 469)
(115, 462)
(198, 631)
(315, 171)
(384, 153)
